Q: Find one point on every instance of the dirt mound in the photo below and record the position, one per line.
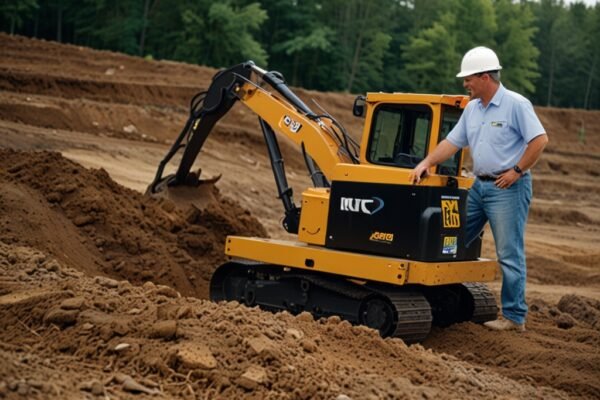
(115, 339)
(553, 215)
(531, 356)
(582, 309)
(549, 270)
(106, 228)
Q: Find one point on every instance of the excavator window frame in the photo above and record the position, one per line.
(450, 167)
(404, 155)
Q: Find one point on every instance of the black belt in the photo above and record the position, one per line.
(487, 178)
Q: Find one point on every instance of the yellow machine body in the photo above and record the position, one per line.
(371, 247)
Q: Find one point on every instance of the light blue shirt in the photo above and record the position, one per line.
(497, 134)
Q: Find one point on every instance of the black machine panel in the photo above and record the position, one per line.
(405, 221)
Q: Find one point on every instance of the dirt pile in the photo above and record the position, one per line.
(582, 309)
(565, 332)
(86, 220)
(118, 340)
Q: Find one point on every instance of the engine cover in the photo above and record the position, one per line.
(406, 221)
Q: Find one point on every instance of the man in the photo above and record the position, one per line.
(506, 139)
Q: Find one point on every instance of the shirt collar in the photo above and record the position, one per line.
(497, 97)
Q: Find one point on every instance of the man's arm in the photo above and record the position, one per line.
(532, 154)
(443, 151)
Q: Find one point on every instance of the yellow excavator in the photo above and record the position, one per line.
(371, 247)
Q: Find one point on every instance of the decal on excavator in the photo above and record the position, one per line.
(450, 245)
(382, 237)
(290, 123)
(450, 213)
(364, 206)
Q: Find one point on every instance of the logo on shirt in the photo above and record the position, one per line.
(497, 124)
(450, 214)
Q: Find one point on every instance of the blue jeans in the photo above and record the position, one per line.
(506, 210)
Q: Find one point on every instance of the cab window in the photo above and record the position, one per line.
(399, 134)
(450, 117)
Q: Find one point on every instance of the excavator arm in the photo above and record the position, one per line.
(323, 141)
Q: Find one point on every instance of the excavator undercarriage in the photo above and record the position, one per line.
(406, 312)
(372, 248)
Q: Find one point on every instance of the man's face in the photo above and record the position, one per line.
(474, 85)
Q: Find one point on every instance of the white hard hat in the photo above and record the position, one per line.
(479, 59)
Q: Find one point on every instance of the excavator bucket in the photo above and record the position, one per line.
(196, 192)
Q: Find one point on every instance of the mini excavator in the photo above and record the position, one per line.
(371, 247)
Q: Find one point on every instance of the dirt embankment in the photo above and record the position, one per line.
(87, 221)
(91, 272)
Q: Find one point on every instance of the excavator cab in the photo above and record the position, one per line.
(371, 247)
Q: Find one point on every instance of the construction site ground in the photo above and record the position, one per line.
(103, 291)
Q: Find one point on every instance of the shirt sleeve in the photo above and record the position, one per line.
(528, 122)
(458, 134)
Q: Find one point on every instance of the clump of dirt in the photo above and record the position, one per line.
(113, 230)
(115, 339)
(582, 309)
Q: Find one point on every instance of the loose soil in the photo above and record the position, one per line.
(103, 291)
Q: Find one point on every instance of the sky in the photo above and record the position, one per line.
(587, 2)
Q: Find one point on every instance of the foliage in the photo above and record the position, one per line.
(548, 48)
(14, 12)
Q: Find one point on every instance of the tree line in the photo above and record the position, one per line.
(549, 49)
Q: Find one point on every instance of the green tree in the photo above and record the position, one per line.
(107, 24)
(15, 11)
(314, 39)
(553, 41)
(518, 55)
(475, 23)
(221, 34)
(592, 56)
(431, 57)
(361, 41)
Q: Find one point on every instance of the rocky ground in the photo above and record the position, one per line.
(103, 291)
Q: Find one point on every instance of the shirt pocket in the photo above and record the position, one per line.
(500, 132)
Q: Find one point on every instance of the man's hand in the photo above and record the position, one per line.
(443, 151)
(420, 171)
(506, 180)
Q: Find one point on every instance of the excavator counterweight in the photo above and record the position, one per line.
(371, 247)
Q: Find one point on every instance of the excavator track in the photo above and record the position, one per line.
(393, 311)
(484, 303)
(413, 313)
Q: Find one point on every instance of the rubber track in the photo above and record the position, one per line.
(484, 303)
(413, 311)
(412, 308)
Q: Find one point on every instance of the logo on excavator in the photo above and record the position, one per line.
(365, 206)
(290, 123)
(450, 245)
(450, 214)
(383, 237)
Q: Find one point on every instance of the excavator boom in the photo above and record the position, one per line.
(281, 109)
